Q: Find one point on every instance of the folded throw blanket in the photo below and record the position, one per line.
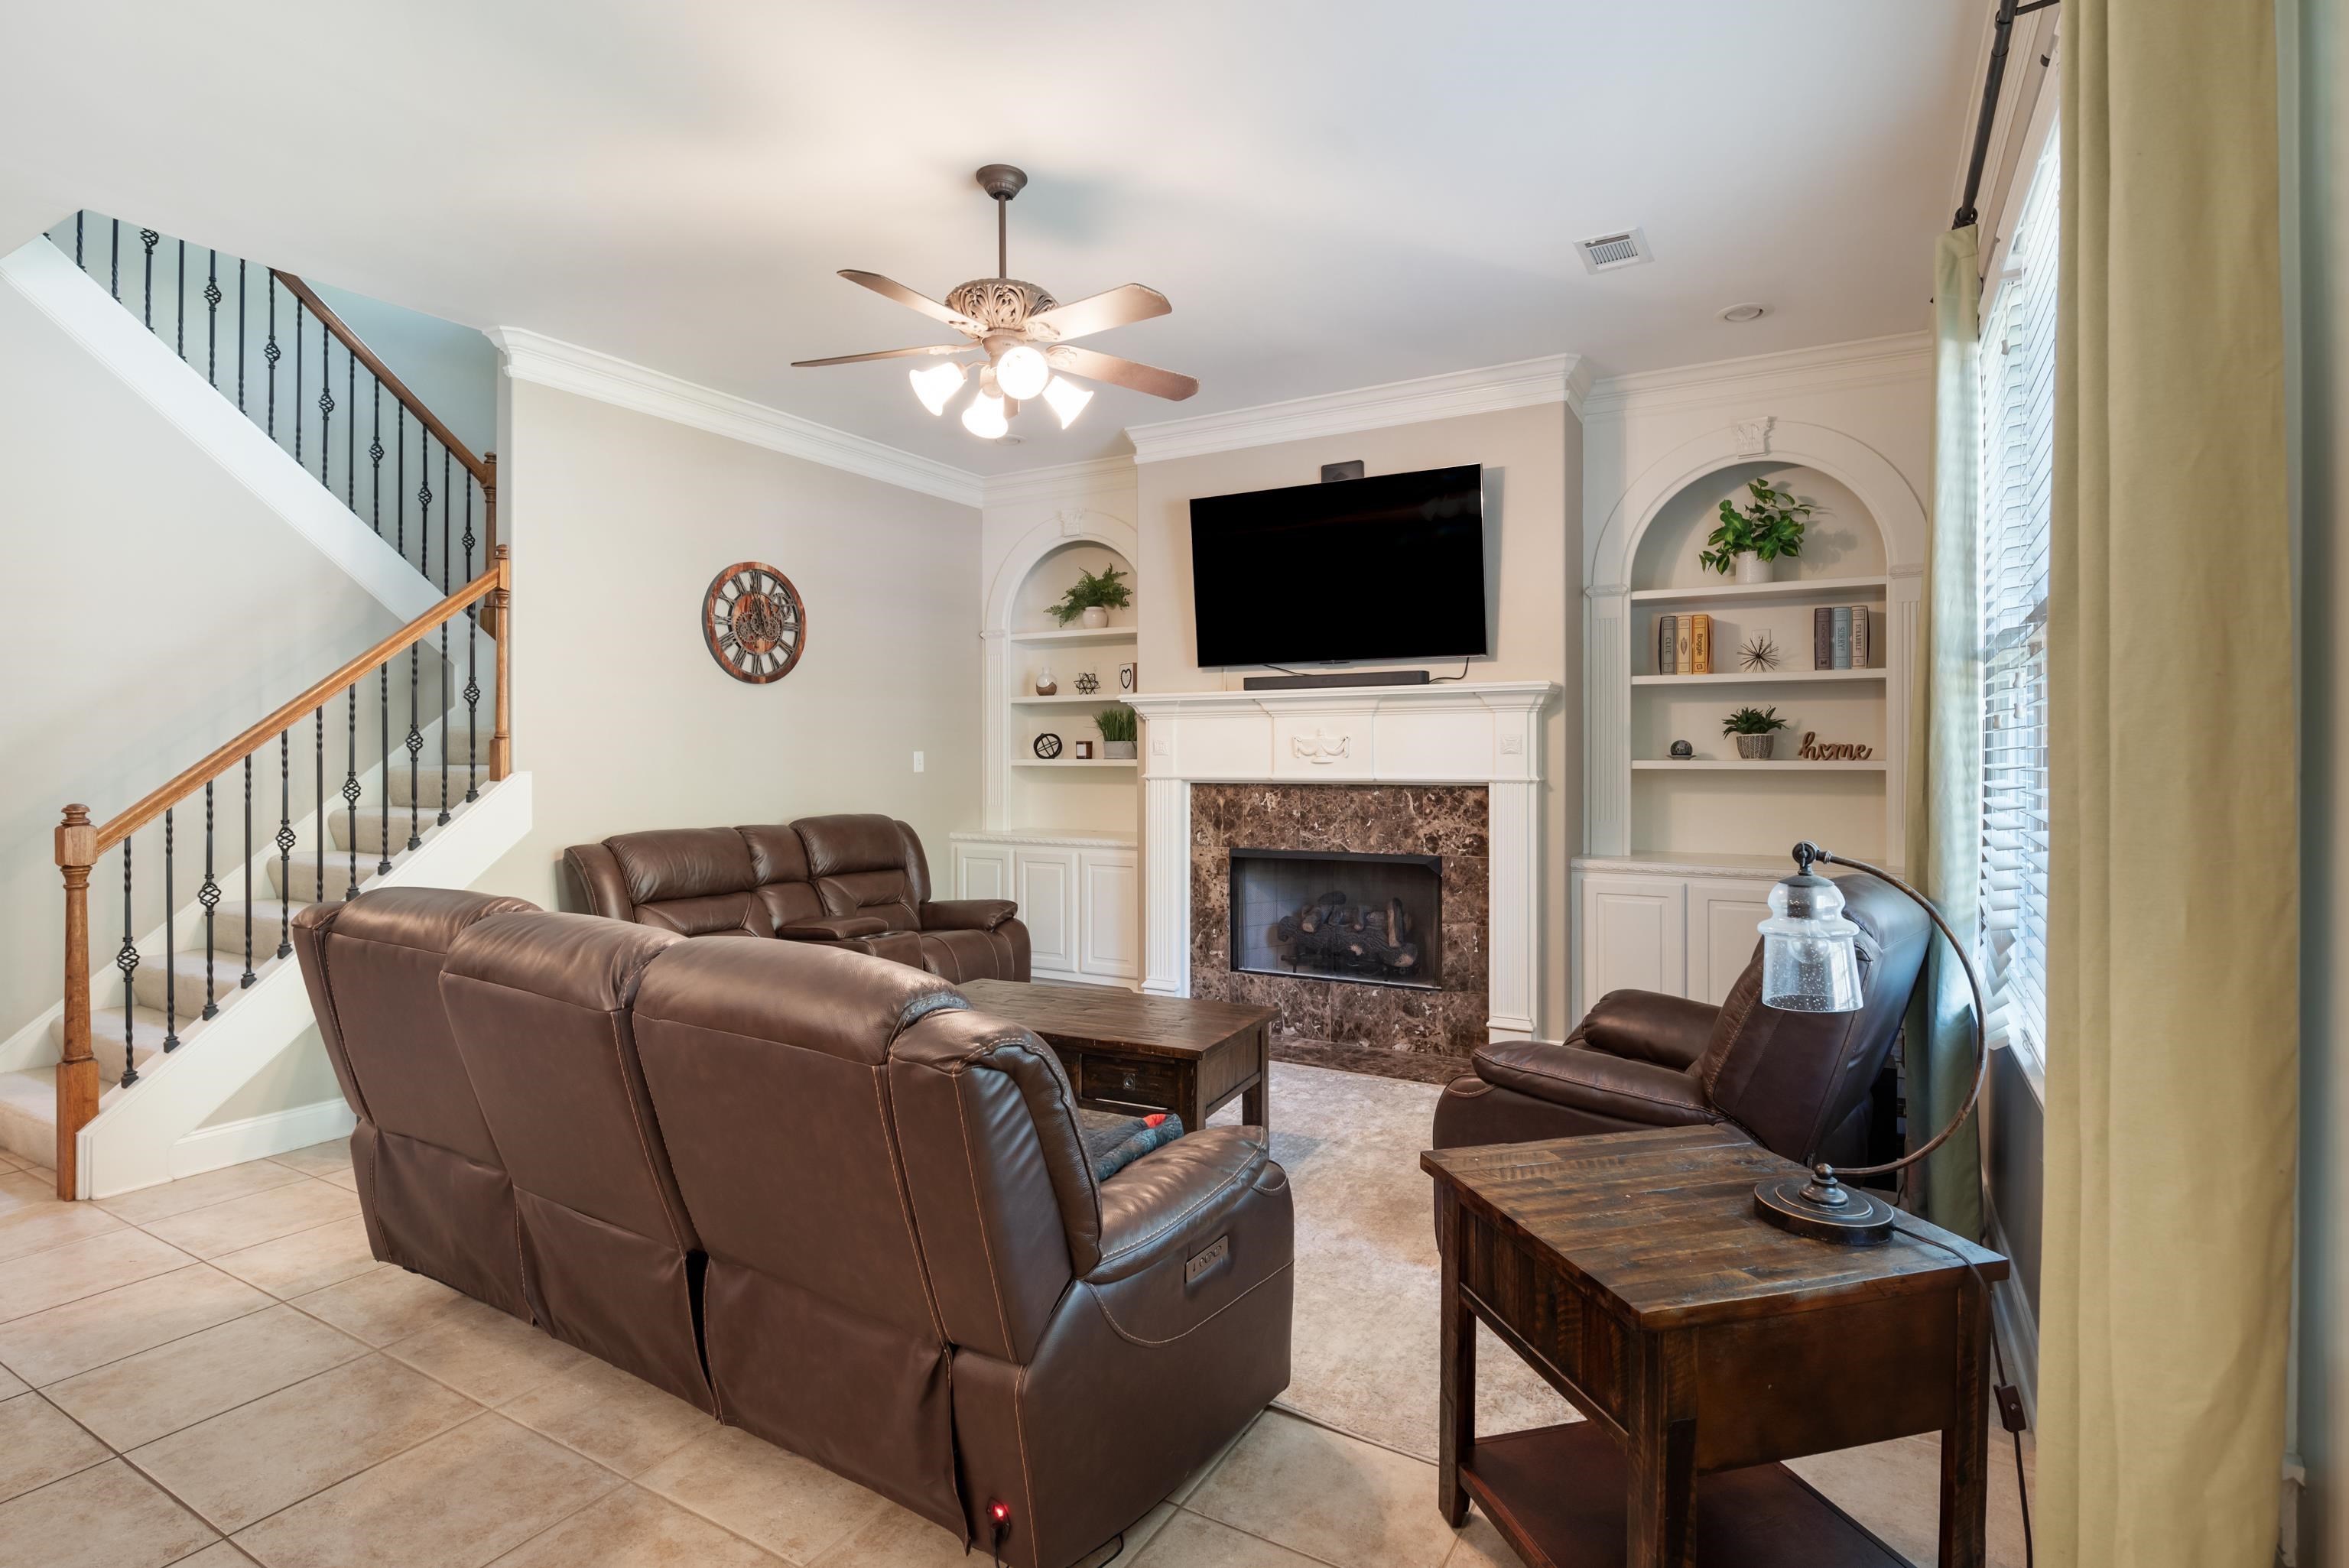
(1113, 1141)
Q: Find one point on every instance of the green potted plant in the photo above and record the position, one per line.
(1756, 731)
(1119, 728)
(1750, 542)
(1095, 595)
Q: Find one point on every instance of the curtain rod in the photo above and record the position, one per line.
(2003, 29)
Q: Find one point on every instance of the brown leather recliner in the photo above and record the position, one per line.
(433, 1188)
(1798, 1082)
(859, 882)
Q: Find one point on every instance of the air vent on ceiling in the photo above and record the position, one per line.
(1625, 248)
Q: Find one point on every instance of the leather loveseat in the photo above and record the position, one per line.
(1798, 1082)
(858, 882)
(813, 1193)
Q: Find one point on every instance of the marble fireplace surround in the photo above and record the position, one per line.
(1484, 734)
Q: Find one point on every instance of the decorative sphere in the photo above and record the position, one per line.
(1682, 749)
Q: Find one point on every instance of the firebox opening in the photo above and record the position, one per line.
(1376, 920)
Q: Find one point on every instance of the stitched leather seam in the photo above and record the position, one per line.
(905, 1204)
(1019, 1429)
(652, 1166)
(1031, 1047)
(1117, 1328)
(1565, 1081)
(971, 1163)
(1228, 1185)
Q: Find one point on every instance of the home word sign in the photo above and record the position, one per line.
(1814, 749)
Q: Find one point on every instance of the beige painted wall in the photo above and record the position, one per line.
(619, 522)
(1532, 488)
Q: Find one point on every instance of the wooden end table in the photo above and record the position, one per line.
(1140, 1054)
(1629, 1269)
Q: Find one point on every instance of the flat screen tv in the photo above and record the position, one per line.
(1391, 567)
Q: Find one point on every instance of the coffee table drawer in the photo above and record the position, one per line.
(1132, 1082)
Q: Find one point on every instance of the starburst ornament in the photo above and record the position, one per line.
(1759, 652)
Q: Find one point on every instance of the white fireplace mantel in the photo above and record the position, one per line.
(1486, 733)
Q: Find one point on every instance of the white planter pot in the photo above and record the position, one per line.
(1096, 617)
(1118, 749)
(1753, 570)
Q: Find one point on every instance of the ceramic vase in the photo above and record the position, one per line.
(1045, 684)
(1751, 571)
(1096, 617)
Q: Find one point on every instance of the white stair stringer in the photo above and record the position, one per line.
(142, 1135)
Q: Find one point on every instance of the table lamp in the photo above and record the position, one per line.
(1810, 963)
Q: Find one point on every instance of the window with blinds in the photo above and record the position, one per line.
(2018, 413)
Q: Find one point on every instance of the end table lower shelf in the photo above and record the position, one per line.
(1556, 1494)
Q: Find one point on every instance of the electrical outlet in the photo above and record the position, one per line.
(917, 762)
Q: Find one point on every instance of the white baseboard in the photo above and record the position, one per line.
(258, 1136)
(2016, 1328)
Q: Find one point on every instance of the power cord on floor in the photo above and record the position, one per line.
(2010, 1403)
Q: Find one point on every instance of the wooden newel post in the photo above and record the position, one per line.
(77, 1085)
(501, 600)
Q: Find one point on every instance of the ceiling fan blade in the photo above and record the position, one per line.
(885, 353)
(889, 288)
(1098, 312)
(1108, 367)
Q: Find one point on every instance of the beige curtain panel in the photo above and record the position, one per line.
(2173, 951)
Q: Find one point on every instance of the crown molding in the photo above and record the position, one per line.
(1866, 362)
(1554, 378)
(550, 362)
(1062, 482)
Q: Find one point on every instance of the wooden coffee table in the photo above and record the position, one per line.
(1629, 1269)
(1142, 1054)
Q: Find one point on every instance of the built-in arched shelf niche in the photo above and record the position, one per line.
(1718, 807)
(1065, 792)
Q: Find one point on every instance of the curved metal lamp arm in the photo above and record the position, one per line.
(1807, 852)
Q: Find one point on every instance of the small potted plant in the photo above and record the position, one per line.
(1756, 731)
(1750, 542)
(1120, 726)
(1095, 595)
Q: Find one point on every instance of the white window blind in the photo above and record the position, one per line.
(2018, 413)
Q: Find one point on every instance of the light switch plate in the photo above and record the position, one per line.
(917, 762)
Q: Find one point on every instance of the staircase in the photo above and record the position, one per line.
(393, 768)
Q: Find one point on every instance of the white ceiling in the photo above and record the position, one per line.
(1331, 195)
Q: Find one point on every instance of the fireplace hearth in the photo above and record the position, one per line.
(1371, 918)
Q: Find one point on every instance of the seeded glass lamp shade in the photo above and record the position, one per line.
(1810, 963)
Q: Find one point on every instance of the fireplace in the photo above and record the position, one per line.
(1369, 919)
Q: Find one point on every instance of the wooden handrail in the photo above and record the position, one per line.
(486, 472)
(123, 825)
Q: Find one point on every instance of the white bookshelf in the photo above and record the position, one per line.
(1758, 678)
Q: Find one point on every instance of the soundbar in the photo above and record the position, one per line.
(1335, 678)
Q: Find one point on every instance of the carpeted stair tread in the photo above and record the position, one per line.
(187, 967)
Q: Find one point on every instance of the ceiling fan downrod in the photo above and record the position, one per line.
(1002, 181)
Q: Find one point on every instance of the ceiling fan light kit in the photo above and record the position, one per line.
(1023, 332)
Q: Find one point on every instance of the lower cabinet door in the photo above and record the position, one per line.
(982, 870)
(1722, 918)
(1109, 900)
(1047, 883)
(1634, 932)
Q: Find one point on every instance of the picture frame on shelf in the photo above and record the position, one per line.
(1084, 750)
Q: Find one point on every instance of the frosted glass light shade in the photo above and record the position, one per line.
(935, 385)
(1810, 953)
(985, 417)
(1068, 399)
(1021, 371)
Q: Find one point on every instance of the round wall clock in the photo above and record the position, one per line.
(754, 622)
(1047, 746)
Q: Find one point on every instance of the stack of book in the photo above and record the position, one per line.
(1684, 645)
(1839, 638)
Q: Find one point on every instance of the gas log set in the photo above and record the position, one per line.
(1333, 933)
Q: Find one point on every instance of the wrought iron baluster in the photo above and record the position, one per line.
(114, 262)
(246, 978)
(326, 402)
(127, 960)
(297, 380)
(209, 895)
(415, 744)
(383, 786)
(472, 659)
(400, 478)
(351, 430)
(77, 220)
(147, 239)
(212, 297)
(181, 341)
(351, 790)
(271, 354)
(374, 457)
(284, 841)
(240, 335)
(424, 499)
(171, 948)
(424, 547)
(441, 676)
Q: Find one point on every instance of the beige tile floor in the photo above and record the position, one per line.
(215, 1373)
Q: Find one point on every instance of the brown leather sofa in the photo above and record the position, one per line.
(857, 881)
(817, 1195)
(1798, 1082)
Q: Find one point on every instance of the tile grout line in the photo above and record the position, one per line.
(118, 1285)
(112, 1454)
(101, 1203)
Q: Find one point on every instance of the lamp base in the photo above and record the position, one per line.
(1825, 1210)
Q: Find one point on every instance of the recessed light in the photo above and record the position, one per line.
(1747, 312)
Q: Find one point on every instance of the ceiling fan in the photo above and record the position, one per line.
(1024, 333)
